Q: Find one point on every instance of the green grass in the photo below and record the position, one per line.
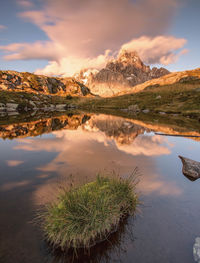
(85, 215)
(179, 98)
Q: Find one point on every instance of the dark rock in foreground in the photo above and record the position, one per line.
(191, 169)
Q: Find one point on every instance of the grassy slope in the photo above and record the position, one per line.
(24, 98)
(178, 98)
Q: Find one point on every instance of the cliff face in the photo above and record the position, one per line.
(124, 72)
(27, 82)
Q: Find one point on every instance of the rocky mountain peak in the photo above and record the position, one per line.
(126, 71)
(130, 58)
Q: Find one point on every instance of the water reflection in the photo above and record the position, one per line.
(110, 250)
(73, 148)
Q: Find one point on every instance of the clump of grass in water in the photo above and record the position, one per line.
(83, 216)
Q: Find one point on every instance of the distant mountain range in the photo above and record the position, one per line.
(123, 75)
(126, 71)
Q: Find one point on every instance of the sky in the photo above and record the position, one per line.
(64, 36)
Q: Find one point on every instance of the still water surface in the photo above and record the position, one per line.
(73, 149)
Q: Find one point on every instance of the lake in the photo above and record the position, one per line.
(38, 155)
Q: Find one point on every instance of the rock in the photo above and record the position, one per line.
(11, 106)
(197, 90)
(120, 74)
(196, 250)
(191, 169)
(162, 113)
(158, 97)
(71, 106)
(32, 103)
(39, 84)
(190, 79)
(3, 114)
(2, 107)
(146, 111)
(61, 107)
(134, 108)
(13, 113)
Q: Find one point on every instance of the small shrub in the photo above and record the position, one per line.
(83, 216)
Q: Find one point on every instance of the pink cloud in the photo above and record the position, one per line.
(2, 27)
(13, 163)
(25, 3)
(160, 49)
(81, 32)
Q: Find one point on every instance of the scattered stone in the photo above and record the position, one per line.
(162, 113)
(71, 106)
(196, 250)
(158, 97)
(13, 113)
(60, 107)
(2, 107)
(134, 108)
(146, 111)
(32, 103)
(190, 79)
(3, 114)
(28, 82)
(191, 169)
(11, 106)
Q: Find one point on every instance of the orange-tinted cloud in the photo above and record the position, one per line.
(85, 153)
(2, 27)
(160, 49)
(25, 3)
(13, 163)
(81, 33)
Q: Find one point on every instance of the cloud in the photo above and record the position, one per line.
(24, 51)
(160, 49)
(81, 32)
(75, 150)
(2, 27)
(13, 163)
(68, 66)
(25, 3)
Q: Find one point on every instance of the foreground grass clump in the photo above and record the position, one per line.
(83, 216)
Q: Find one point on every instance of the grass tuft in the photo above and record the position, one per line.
(83, 216)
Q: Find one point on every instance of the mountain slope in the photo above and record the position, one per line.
(182, 77)
(180, 98)
(31, 83)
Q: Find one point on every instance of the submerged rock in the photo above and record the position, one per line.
(196, 250)
(191, 169)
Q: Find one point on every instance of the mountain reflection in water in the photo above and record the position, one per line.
(73, 148)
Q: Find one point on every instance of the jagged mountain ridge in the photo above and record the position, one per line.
(126, 71)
